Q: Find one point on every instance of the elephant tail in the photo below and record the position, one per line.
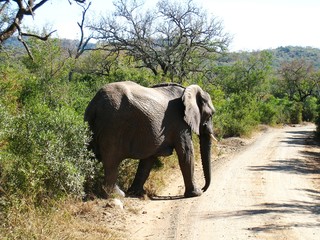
(89, 117)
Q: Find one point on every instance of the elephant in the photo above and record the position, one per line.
(128, 120)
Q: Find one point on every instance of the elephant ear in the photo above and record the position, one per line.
(192, 111)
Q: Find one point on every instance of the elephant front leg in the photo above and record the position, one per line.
(143, 172)
(186, 163)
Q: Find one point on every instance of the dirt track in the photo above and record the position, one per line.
(269, 190)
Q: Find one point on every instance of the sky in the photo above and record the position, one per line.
(252, 24)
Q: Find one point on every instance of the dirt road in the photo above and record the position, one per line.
(269, 190)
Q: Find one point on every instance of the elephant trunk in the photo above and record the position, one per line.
(205, 151)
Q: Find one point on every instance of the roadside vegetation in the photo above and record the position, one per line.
(45, 88)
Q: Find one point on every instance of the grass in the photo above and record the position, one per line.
(61, 220)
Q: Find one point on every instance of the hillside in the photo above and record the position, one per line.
(289, 53)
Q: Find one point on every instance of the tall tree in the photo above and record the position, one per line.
(299, 80)
(247, 74)
(174, 40)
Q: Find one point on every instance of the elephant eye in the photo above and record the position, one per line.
(208, 119)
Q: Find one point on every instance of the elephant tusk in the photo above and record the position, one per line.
(213, 138)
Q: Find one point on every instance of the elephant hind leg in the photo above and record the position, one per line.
(143, 172)
(110, 178)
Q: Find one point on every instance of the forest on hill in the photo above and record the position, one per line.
(290, 53)
(45, 87)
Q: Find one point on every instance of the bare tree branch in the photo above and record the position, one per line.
(43, 38)
(4, 5)
(167, 40)
(83, 42)
(24, 43)
(24, 8)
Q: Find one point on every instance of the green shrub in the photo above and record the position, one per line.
(48, 153)
(268, 111)
(276, 111)
(283, 110)
(310, 107)
(238, 116)
(296, 113)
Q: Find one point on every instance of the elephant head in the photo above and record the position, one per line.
(198, 115)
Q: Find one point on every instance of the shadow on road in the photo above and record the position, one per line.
(309, 164)
(301, 138)
(276, 211)
(279, 227)
(294, 207)
(293, 166)
(167, 197)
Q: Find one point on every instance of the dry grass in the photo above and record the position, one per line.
(68, 220)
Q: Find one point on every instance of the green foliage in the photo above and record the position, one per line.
(289, 53)
(43, 137)
(269, 111)
(276, 111)
(48, 153)
(296, 113)
(247, 74)
(11, 73)
(50, 60)
(280, 111)
(240, 85)
(310, 109)
(237, 116)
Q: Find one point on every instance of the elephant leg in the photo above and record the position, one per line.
(186, 163)
(143, 172)
(110, 179)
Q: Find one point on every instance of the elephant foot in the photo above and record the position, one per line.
(194, 193)
(113, 192)
(136, 192)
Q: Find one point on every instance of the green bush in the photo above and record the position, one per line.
(268, 111)
(296, 113)
(310, 109)
(47, 155)
(276, 111)
(238, 116)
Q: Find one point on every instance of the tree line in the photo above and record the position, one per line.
(46, 85)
